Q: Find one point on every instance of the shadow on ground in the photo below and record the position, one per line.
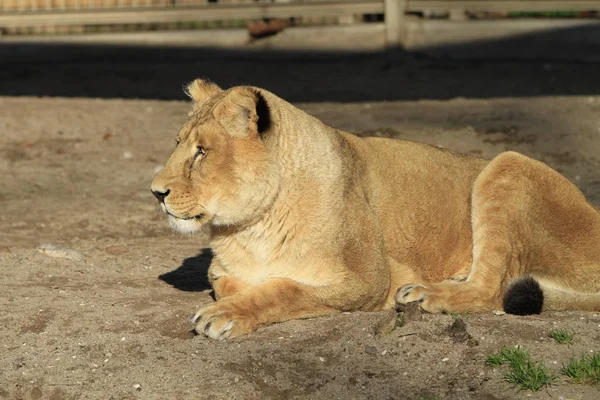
(535, 64)
(192, 274)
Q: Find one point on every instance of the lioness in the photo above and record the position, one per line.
(308, 220)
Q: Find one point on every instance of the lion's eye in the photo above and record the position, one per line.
(200, 151)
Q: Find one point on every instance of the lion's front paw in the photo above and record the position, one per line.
(222, 321)
(409, 293)
(420, 293)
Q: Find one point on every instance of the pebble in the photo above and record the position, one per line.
(52, 250)
(127, 155)
(322, 359)
(498, 312)
(445, 359)
(137, 386)
(370, 349)
(116, 249)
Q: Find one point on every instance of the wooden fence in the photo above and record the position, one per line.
(37, 13)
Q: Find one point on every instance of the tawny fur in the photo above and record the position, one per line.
(309, 220)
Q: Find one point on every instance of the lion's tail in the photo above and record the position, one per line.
(526, 295)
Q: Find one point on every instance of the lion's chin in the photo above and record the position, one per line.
(185, 225)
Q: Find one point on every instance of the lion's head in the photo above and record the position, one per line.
(220, 172)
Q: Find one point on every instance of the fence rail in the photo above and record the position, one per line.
(183, 13)
(16, 13)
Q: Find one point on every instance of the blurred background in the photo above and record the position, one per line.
(305, 50)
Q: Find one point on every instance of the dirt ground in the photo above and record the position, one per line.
(107, 316)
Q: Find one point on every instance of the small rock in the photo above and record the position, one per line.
(445, 359)
(370, 349)
(137, 387)
(52, 250)
(322, 359)
(412, 312)
(127, 155)
(498, 312)
(116, 249)
(458, 332)
(387, 324)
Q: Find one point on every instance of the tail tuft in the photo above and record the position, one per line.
(523, 296)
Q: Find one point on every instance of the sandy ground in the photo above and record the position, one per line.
(107, 317)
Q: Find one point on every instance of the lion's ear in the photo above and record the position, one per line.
(237, 112)
(200, 90)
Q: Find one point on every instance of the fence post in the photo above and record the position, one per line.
(395, 27)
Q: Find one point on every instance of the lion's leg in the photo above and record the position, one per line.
(501, 201)
(276, 300)
(227, 286)
(222, 284)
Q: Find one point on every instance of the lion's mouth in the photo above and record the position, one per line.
(194, 218)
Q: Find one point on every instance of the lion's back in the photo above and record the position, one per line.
(422, 197)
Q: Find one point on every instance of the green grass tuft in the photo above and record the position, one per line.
(561, 336)
(494, 360)
(523, 372)
(586, 369)
(530, 375)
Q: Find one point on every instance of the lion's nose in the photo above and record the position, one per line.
(161, 195)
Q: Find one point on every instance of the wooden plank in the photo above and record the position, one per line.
(412, 5)
(504, 5)
(178, 14)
